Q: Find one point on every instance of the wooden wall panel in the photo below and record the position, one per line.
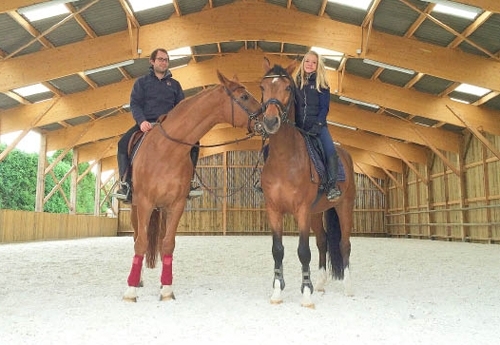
(22, 226)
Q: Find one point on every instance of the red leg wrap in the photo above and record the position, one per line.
(166, 273)
(135, 272)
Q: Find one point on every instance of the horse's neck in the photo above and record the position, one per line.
(190, 120)
(287, 143)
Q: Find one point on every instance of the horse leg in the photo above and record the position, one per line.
(278, 250)
(319, 231)
(346, 221)
(140, 222)
(133, 221)
(304, 253)
(167, 249)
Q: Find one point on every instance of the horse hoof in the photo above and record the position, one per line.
(167, 298)
(306, 298)
(278, 301)
(166, 293)
(130, 294)
(308, 305)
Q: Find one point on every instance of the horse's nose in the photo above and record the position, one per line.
(271, 124)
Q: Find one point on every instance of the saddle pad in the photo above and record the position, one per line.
(316, 154)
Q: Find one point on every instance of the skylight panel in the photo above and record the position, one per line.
(141, 5)
(455, 9)
(31, 90)
(459, 100)
(179, 53)
(45, 10)
(328, 54)
(359, 4)
(473, 90)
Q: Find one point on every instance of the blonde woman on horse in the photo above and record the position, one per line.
(312, 103)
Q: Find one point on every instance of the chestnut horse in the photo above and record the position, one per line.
(162, 170)
(290, 184)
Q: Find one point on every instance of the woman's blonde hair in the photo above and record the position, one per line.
(321, 80)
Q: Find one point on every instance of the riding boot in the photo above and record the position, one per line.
(124, 191)
(195, 188)
(332, 163)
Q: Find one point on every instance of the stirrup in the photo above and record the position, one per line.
(333, 194)
(195, 190)
(123, 193)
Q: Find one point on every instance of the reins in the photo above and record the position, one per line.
(258, 130)
(251, 134)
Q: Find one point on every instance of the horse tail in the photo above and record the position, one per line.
(333, 236)
(153, 235)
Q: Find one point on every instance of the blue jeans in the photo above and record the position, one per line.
(327, 142)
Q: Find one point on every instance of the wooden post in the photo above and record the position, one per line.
(97, 196)
(40, 175)
(224, 192)
(74, 183)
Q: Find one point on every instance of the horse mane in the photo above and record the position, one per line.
(188, 100)
(278, 70)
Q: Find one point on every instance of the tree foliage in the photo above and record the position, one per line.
(18, 179)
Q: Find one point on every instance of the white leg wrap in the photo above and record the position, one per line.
(166, 293)
(130, 294)
(276, 296)
(306, 298)
(321, 281)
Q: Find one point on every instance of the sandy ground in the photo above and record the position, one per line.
(406, 292)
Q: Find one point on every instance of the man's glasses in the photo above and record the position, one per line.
(162, 59)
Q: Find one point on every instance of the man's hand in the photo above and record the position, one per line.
(145, 126)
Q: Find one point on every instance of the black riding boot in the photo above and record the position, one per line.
(195, 189)
(332, 163)
(124, 192)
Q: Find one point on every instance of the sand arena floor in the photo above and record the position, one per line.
(406, 292)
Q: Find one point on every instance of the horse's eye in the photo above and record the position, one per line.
(245, 97)
(289, 88)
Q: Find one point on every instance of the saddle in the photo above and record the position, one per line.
(136, 140)
(133, 146)
(317, 155)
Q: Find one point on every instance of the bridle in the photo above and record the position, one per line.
(283, 110)
(252, 116)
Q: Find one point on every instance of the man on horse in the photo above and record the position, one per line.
(312, 104)
(153, 95)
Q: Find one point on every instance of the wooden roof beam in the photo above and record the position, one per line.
(297, 27)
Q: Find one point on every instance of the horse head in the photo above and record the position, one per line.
(244, 99)
(278, 92)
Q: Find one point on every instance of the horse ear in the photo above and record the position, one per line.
(291, 67)
(222, 78)
(235, 78)
(266, 64)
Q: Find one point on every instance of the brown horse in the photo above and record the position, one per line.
(162, 171)
(290, 184)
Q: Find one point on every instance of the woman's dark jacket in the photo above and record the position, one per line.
(311, 106)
